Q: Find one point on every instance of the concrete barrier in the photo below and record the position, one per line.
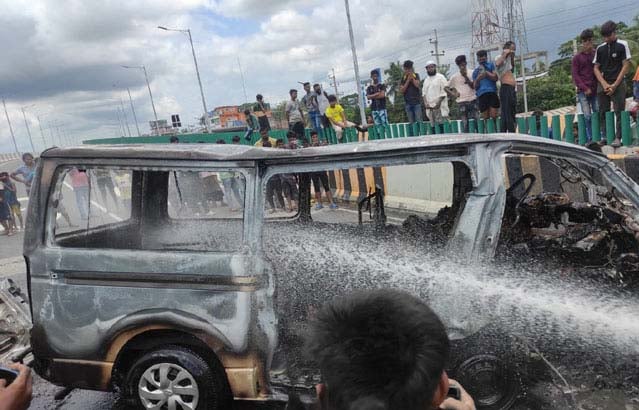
(429, 187)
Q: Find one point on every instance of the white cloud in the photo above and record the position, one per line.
(65, 56)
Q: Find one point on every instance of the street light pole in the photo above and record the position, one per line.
(13, 137)
(26, 124)
(362, 112)
(135, 118)
(207, 121)
(146, 77)
(44, 140)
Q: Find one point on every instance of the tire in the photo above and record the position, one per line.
(491, 367)
(175, 374)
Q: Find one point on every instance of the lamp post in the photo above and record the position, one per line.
(207, 122)
(26, 124)
(135, 118)
(13, 137)
(362, 112)
(146, 77)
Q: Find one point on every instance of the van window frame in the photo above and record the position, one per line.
(245, 168)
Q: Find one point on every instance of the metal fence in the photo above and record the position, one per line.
(556, 127)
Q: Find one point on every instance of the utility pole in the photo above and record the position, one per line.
(44, 140)
(335, 83)
(362, 112)
(26, 124)
(523, 77)
(436, 53)
(13, 137)
(135, 118)
(242, 76)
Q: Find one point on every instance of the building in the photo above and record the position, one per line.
(227, 116)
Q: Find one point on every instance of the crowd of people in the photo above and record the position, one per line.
(487, 91)
(11, 218)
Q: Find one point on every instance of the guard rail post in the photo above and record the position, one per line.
(521, 125)
(395, 131)
(610, 127)
(556, 128)
(402, 131)
(626, 135)
(472, 125)
(490, 126)
(568, 135)
(454, 127)
(581, 128)
(481, 126)
(544, 126)
(447, 129)
(532, 125)
(595, 121)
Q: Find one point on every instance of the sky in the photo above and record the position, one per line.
(62, 59)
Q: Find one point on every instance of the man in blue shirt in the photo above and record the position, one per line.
(485, 82)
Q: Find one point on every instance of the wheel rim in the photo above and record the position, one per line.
(168, 386)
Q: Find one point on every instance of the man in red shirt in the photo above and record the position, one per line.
(583, 75)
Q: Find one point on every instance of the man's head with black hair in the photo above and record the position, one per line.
(220, 141)
(587, 34)
(460, 59)
(384, 347)
(609, 31)
(174, 140)
(235, 139)
(482, 56)
(247, 112)
(259, 97)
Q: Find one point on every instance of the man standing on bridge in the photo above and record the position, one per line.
(583, 76)
(25, 173)
(463, 86)
(485, 83)
(508, 92)
(612, 61)
(435, 96)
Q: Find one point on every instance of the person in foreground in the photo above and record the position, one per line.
(17, 396)
(382, 349)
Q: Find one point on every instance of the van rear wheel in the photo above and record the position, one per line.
(175, 378)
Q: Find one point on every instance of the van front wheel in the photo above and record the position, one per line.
(173, 377)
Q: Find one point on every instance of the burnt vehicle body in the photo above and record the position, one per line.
(144, 297)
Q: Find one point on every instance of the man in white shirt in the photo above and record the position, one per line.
(435, 96)
(462, 88)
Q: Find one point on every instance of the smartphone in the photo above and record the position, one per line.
(8, 374)
(454, 392)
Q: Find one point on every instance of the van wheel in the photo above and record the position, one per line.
(174, 377)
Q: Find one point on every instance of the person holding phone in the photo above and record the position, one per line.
(485, 84)
(410, 87)
(508, 91)
(383, 349)
(16, 395)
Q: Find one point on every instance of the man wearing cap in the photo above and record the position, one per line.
(435, 96)
(464, 91)
(409, 87)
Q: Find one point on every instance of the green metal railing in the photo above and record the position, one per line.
(536, 126)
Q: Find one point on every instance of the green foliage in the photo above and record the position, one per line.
(547, 93)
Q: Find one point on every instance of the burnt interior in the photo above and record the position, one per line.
(587, 223)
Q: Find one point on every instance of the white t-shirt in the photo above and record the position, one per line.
(458, 82)
(434, 89)
(293, 110)
(323, 103)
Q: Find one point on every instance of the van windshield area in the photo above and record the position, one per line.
(148, 209)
